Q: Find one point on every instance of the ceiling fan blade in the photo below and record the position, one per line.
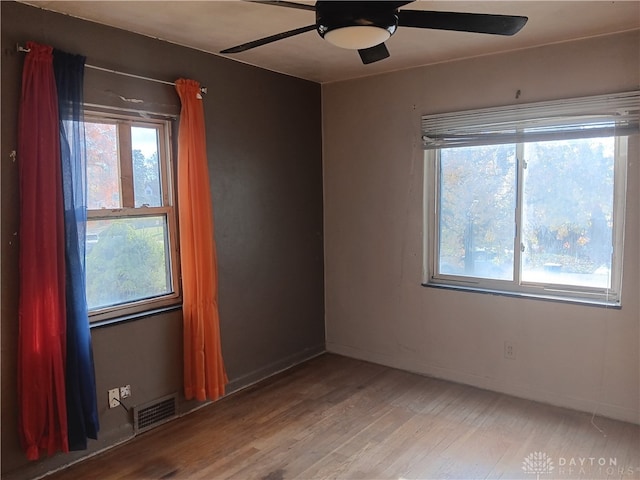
(284, 3)
(265, 40)
(373, 54)
(462, 22)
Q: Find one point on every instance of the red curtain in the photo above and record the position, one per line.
(204, 373)
(42, 333)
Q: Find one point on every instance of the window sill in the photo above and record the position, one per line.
(133, 316)
(533, 296)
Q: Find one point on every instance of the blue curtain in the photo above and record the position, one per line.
(82, 414)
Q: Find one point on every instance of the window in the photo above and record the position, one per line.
(529, 200)
(131, 250)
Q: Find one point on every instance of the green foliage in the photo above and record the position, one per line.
(126, 264)
(146, 179)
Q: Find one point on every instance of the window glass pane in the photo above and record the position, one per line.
(476, 215)
(146, 168)
(103, 167)
(568, 212)
(127, 260)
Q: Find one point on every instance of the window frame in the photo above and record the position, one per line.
(517, 287)
(168, 209)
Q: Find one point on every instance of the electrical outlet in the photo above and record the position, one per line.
(114, 397)
(125, 392)
(509, 350)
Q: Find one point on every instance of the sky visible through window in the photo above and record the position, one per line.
(145, 140)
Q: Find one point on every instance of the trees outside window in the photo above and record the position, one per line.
(557, 228)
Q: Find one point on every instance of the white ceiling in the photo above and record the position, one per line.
(212, 26)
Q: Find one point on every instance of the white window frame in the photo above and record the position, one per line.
(167, 209)
(431, 276)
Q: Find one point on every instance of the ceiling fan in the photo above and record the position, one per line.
(366, 25)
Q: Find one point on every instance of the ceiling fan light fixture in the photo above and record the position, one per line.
(357, 37)
(365, 25)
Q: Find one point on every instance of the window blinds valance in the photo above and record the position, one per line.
(585, 117)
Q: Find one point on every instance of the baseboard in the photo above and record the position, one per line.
(251, 378)
(580, 404)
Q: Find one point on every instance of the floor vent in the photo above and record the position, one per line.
(152, 414)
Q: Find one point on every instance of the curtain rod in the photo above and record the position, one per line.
(20, 48)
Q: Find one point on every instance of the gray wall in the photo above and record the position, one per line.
(265, 162)
(581, 357)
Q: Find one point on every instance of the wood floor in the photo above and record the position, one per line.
(338, 418)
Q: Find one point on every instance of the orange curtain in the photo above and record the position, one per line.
(204, 373)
